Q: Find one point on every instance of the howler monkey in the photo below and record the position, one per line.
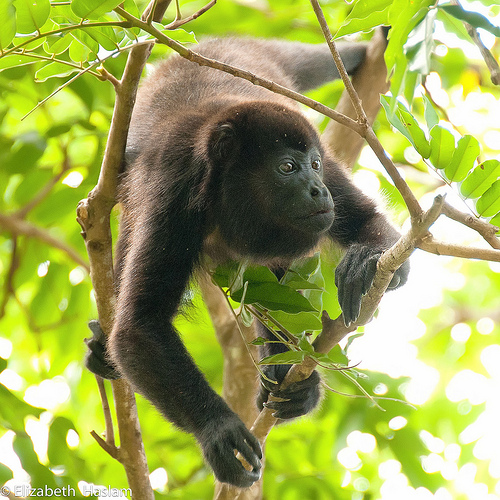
(217, 165)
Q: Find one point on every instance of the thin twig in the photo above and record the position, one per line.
(356, 102)
(113, 451)
(52, 59)
(366, 130)
(45, 191)
(108, 421)
(180, 22)
(121, 24)
(8, 288)
(19, 226)
(87, 70)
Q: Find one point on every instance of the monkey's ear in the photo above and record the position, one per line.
(223, 141)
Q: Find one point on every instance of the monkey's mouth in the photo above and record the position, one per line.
(321, 212)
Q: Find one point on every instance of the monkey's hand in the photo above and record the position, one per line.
(297, 399)
(219, 440)
(96, 360)
(354, 277)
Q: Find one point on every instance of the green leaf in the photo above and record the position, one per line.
(84, 37)
(414, 133)
(25, 152)
(5, 474)
(442, 147)
(224, 273)
(298, 323)
(13, 411)
(403, 16)
(31, 15)
(8, 23)
(57, 449)
(3, 364)
(284, 358)
(304, 344)
(420, 45)
(274, 296)
(32, 182)
(430, 115)
(260, 274)
(103, 36)
(474, 18)
(403, 121)
(59, 129)
(364, 16)
(78, 51)
(465, 155)
(259, 341)
(15, 60)
(480, 179)
(92, 9)
(495, 221)
(489, 203)
(337, 355)
(299, 283)
(57, 44)
(306, 266)
(54, 70)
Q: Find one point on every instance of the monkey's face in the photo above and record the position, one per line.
(288, 185)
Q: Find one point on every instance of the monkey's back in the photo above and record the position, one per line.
(178, 87)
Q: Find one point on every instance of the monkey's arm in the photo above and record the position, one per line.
(166, 241)
(365, 232)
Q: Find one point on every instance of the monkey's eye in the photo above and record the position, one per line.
(287, 167)
(316, 165)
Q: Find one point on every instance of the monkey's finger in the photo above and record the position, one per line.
(95, 328)
(394, 282)
(298, 388)
(249, 455)
(253, 442)
(339, 282)
(353, 305)
(370, 270)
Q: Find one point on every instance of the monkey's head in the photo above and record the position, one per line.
(269, 164)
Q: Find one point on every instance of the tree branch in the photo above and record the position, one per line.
(241, 73)
(485, 229)
(335, 330)
(355, 100)
(93, 214)
(370, 80)
(180, 22)
(431, 245)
